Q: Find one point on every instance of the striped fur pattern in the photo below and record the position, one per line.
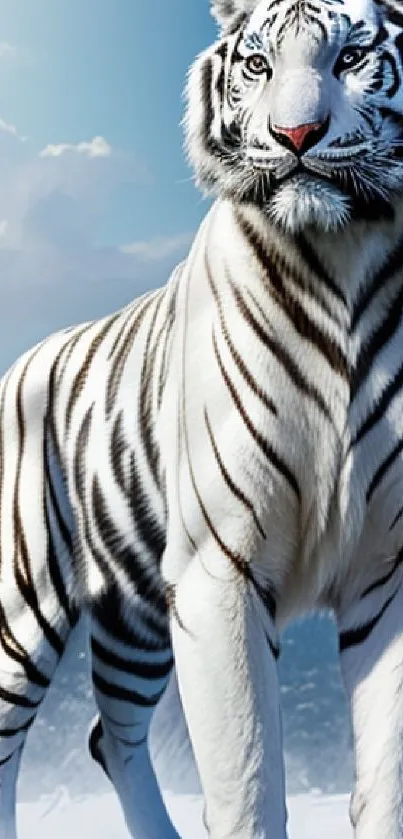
(227, 452)
(80, 536)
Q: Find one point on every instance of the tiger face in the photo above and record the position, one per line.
(298, 109)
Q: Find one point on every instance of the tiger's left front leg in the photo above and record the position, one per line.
(224, 647)
(371, 652)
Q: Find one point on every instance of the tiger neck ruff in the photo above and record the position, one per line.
(226, 452)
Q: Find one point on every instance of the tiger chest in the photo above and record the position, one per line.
(348, 522)
(303, 494)
(277, 457)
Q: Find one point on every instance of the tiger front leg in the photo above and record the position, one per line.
(371, 650)
(224, 647)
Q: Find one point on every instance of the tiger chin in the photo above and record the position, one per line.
(305, 202)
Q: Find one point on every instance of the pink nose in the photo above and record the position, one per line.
(299, 135)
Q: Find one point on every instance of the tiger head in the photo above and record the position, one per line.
(298, 109)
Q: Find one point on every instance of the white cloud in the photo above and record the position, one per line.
(52, 273)
(159, 247)
(7, 50)
(8, 128)
(97, 147)
(11, 130)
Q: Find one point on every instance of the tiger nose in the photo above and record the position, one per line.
(300, 138)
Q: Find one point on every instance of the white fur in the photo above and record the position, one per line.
(304, 202)
(225, 10)
(221, 412)
(373, 676)
(323, 548)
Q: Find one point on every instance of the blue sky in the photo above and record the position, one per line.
(96, 200)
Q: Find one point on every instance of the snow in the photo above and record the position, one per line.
(311, 816)
(63, 794)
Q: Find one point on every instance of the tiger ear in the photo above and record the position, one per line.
(225, 11)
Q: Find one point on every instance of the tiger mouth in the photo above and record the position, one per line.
(307, 169)
(337, 153)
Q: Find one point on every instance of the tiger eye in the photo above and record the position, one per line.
(256, 64)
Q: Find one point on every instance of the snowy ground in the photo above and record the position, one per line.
(98, 817)
(64, 794)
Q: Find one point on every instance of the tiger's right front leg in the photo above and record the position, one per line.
(224, 648)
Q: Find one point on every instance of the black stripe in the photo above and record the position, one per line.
(392, 263)
(209, 143)
(380, 407)
(169, 324)
(26, 587)
(133, 744)
(221, 52)
(235, 489)
(236, 24)
(310, 15)
(225, 148)
(274, 649)
(63, 358)
(121, 354)
(140, 669)
(354, 637)
(383, 468)
(81, 376)
(22, 569)
(63, 527)
(300, 320)
(151, 533)
(147, 382)
(396, 518)
(262, 442)
(125, 317)
(11, 732)
(80, 472)
(237, 560)
(394, 14)
(394, 87)
(290, 17)
(236, 357)
(267, 596)
(117, 450)
(379, 338)
(18, 653)
(94, 740)
(145, 578)
(71, 612)
(386, 577)
(108, 611)
(279, 352)
(314, 265)
(124, 694)
(16, 699)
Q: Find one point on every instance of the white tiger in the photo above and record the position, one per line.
(226, 452)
